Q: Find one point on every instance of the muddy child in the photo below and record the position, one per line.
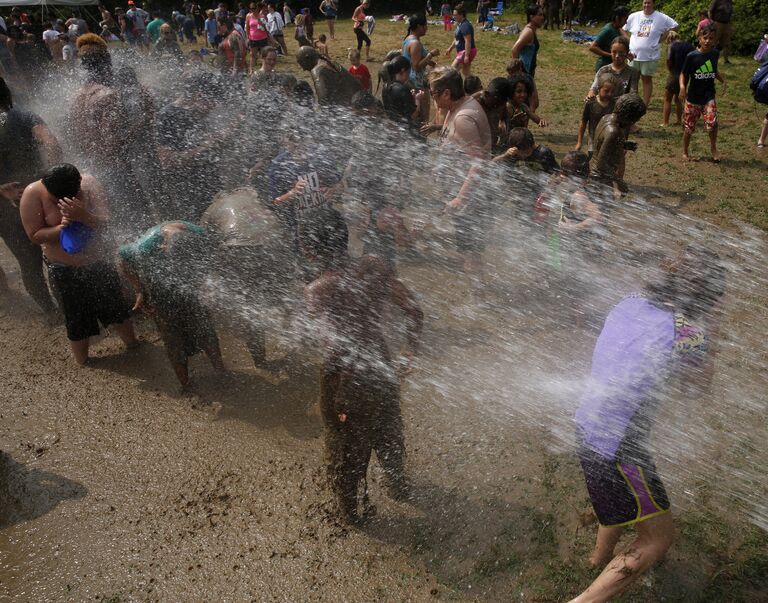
(611, 144)
(697, 90)
(596, 108)
(163, 267)
(360, 389)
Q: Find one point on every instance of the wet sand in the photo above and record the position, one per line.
(120, 489)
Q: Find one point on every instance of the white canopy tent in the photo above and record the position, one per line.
(44, 3)
(48, 5)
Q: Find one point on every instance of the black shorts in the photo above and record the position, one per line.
(472, 229)
(623, 493)
(89, 295)
(258, 43)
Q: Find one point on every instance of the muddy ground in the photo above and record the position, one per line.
(120, 489)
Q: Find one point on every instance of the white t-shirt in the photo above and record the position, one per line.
(50, 36)
(139, 18)
(646, 31)
(275, 23)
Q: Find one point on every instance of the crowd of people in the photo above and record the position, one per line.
(155, 212)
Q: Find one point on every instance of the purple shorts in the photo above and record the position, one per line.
(472, 54)
(622, 493)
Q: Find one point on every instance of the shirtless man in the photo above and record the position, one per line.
(360, 389)
(88, 285)
(611, 145)
(466, 131)
(101, 106)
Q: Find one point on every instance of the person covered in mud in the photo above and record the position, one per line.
(400, 101)
(189, 147)
(66, 215)
(334, 85)
(360, 389)
(611, 144)
(251, 260)
(98, 108)
(522, 148)
(27, 148)
(164, 267)
(647, 338)
(493, 100)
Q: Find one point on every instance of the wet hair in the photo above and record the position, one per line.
(575, 163)
(531, 11)
(95, 58)
(709, 28)
(608, 78)
(6, 100)
(619, 11)
(520, 79)
(499, 88)
(397, 64)
(629, 108)
(472, 84)
(693, 284)
(621, 40)
(267, 50)
(324, 235)
(365, 101)
(515, 66)
(322, 38)
(415, 21)
(62, 180)
(522, 138)
(447, 78)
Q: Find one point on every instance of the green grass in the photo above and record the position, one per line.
(722, 193)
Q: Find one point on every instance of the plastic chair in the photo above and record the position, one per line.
(499, 10)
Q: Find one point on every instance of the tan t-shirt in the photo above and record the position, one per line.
(466, 127)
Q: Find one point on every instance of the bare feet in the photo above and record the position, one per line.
(716, 158)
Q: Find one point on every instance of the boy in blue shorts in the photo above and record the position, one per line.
(697, 90)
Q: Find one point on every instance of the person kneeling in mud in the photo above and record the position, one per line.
(162, 265)
(360, 390)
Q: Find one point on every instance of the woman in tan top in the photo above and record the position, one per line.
(466, 129)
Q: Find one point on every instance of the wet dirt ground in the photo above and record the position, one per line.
(120, 489)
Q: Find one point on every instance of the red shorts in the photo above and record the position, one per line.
(462, 54)
(694, 112)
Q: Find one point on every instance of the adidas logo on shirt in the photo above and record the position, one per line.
(704, 72)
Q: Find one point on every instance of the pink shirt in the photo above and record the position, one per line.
(256, 29)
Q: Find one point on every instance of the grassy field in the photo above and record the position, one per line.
(734, 190)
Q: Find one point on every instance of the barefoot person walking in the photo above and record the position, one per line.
(330, 8)
(358, 18)
(646, 337)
